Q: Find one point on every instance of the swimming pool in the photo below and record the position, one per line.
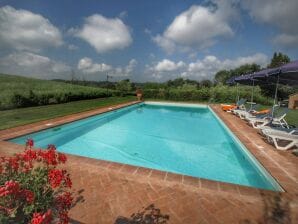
(186, 139)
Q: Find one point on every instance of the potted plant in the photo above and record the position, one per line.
(139, 93)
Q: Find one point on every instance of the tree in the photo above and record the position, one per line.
(188, 86)
(124, 86)
(222, 76)
(176, 82)
(245, 69)
(154, 85)
(278, 59)
(206, 83)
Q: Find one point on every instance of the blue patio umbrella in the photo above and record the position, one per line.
(286, 74)
(231, 81)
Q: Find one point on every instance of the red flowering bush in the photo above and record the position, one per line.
(33, 189)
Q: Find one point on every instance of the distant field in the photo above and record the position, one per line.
(21, 116)
(17, 91)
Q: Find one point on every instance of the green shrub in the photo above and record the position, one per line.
(18, 91)
(218, 94)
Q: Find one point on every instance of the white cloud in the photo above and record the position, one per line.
(33, 65)
(199, 27)
(104, 34)
(207, 67)
(86, 65)
(24, 30)
(200, 69)
(168, 65)
(281, 14)
(131, 66)
(125, 71)
(286, 40)
(123, 14)
(168, 45)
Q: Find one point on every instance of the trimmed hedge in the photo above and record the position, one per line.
(44, 98)
(17, 91)
(218, 94)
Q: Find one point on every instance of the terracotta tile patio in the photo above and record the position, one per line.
(107, 191)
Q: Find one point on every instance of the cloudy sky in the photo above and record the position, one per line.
(142, 40)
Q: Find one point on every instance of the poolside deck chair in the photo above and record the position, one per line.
(276, 138)
(228, 107)
(266, 130)
(257, 114)
(278, 119)
(246, 113)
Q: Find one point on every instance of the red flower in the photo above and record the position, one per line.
(61, 158)
(30, 143)
(55, 177)
(29, 195)
(67, 181)
(63, 217)
(64, 201)
(49, 156)
(14, 163)
(48, 216)
(10, 187)
(39, 218)
(29, 155)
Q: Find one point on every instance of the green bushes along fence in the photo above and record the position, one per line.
(216, 94)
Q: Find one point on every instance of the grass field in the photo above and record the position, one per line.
(21, 116)
(18, 91)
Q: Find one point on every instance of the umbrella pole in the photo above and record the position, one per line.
(237, 90)
(252, 94)
(275, 95)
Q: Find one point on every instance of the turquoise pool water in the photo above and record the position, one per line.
(184, 139)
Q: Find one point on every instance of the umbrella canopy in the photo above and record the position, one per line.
(245, 79)
(286, 74)
(248, 80)
(263, 74)
(231, 81)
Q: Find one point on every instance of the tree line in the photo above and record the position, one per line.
(127, 87)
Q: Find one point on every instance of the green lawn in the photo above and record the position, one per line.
(16, 117)
(291, 118)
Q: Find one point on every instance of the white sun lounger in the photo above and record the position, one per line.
(261, 122)
(290, 139)
(248, 113)
(276, 130)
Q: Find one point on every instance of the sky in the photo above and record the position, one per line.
(142, 40)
